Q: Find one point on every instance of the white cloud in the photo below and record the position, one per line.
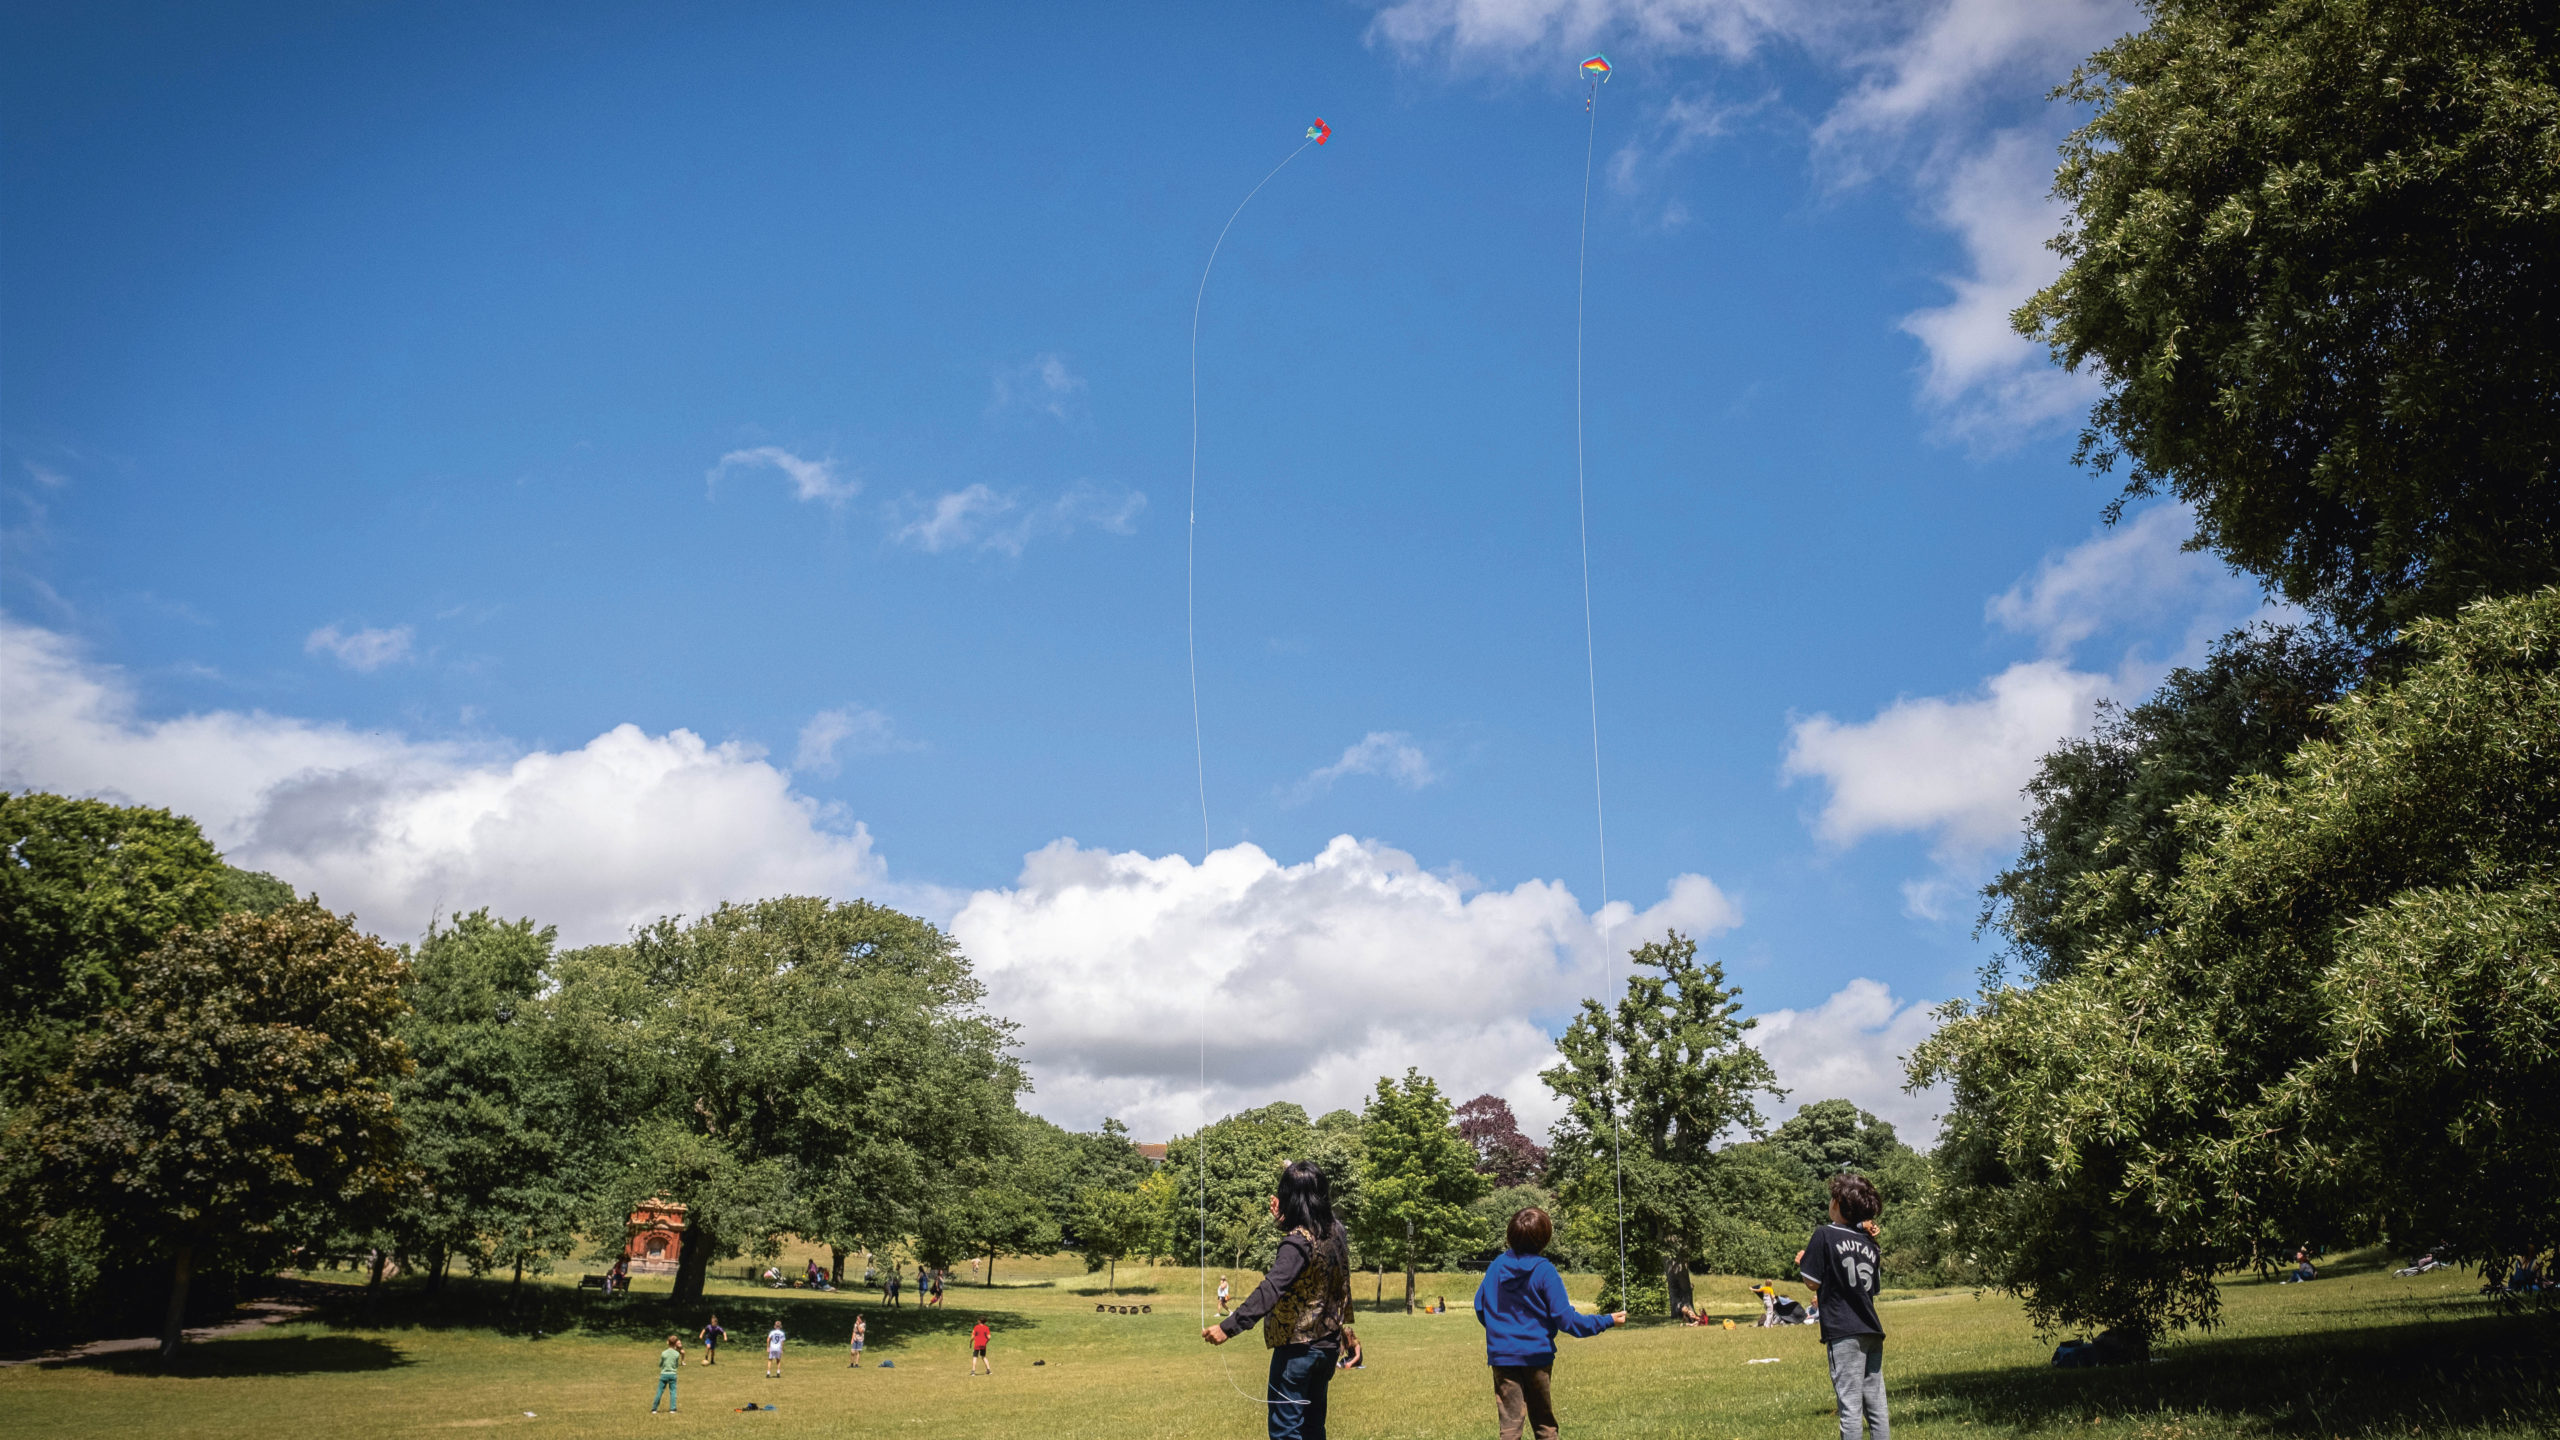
(1954, 767)
(1390, 754)
(1851, 1047)
(810, 479)
(978, 517)
(1951, 767)
(1520, 31)
(847, 729)
(1317, 978)
(363, 651)
(2135, 572)
(626, 828)
(1045, 384)
(1987, 382)
(1958, 49)
(1918, 88)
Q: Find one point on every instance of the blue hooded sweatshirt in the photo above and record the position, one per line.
(1522, 1305)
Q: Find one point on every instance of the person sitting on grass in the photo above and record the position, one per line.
(670, 1365)
(2302, 1269)
(1522, 1304)
(1842, 1264)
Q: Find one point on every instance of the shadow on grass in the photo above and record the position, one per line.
(247, 1355)
(2416, 1376)
(544, 1311)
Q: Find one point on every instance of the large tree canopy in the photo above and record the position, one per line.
(2338, 1029)
(2314, 255)
(1649, 1088)
(240, 1098)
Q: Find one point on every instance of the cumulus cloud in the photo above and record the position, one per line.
(979, 517)
(1390, 754)
(1851, 1047)
(1315, 978)
(845, 730)
(1953, 766)
(626, 828)
(810, 479)
(363, 651)
(1044, 384)
(1986, 381)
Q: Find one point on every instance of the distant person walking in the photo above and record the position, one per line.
(1306, 1298)
(859, 1329)
(978, 1349)
(937, 1289)
(773, 1352)
(712, 1335)
(897, 1282)
(1521, 1305)
(1842, 1265)
(670, 1365)
(1222, 1295)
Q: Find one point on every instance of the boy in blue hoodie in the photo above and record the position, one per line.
(1521, 1306)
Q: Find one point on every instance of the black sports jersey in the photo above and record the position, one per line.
(1844, 1263)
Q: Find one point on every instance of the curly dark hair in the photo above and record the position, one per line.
(1856, 1196)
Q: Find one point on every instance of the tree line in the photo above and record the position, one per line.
(207, 1079)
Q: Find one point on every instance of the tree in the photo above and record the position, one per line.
(2339, 1030)
(1488, 1126)
(2103, 840)
(795, 1064)
(1830, 1137)
(499, 1171)
(2311, 257)
(1417, 1178)
(86, 888)
(243, 1093)
(1648, 1088)
(1111, 1226)
(1229, 1169)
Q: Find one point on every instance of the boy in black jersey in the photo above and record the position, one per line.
(1841, 1263)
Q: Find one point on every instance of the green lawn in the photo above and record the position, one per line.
(2356, 1353)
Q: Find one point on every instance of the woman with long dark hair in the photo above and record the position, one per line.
(1303, 1305)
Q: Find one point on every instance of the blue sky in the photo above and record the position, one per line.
(398, 404)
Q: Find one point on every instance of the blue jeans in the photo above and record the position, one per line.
(666, 1392)
(1299, 1377)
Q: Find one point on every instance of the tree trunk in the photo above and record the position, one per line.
(1114, 1280)
(694, 1265)
(515, 1287)
(437, 1260)
(373, 1288)
(1379, 1297)
(1675, 1285)
(1408, 1267)
(835, 1276)
(173, 1326)
(991, 1267)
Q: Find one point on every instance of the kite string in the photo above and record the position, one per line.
(1199, 750)
(1591, 659)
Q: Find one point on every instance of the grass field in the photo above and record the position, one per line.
(2357, 1353)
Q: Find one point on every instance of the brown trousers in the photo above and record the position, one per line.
(1521, 1399)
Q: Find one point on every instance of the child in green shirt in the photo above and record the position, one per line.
(670, 1365)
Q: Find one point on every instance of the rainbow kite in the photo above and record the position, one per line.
(1596, 69)
(1319, 132)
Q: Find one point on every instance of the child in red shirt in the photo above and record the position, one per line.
(978, 1350)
